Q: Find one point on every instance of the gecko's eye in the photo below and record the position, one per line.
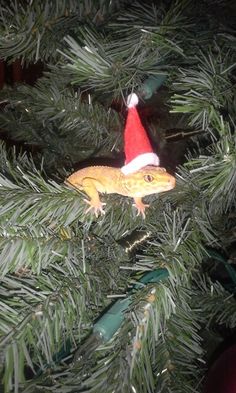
(148, 178)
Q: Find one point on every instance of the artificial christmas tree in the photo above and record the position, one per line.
(116, 303)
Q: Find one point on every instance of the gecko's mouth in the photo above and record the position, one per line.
(170, 184)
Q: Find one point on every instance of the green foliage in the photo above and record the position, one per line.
(39, 248)
(205, 90)
(213, 172)
(58, 121)
(158, 27)
(100, 64)
(50, 263)
(34, 30)
(150, 39)
(218, 305)
(35, 318)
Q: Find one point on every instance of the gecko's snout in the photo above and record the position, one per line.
(171, 182)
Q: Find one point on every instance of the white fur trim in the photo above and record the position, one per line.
(139, 162)
(132, 100)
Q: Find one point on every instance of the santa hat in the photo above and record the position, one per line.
(138, 149)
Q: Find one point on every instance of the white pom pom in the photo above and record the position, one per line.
(132, 100)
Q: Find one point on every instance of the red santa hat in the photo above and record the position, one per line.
(138, 149)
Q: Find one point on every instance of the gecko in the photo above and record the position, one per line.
(104, 179)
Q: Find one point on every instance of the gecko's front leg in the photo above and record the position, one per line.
(138, 203)
(95, 204)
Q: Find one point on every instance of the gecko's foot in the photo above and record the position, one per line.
(95, 207)
(140, 206)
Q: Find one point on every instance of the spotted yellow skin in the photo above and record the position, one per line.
(104, 179)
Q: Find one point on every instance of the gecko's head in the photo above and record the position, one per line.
(149, 180)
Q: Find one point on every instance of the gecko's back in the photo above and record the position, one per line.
(105, 178)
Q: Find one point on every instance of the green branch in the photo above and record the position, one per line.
(38, 30)
(38, 317)
(49, 116)
(205, 90)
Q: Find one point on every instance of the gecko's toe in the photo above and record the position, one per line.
(142, 212)
(95, 207)
(141, 209)
(99, 210)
